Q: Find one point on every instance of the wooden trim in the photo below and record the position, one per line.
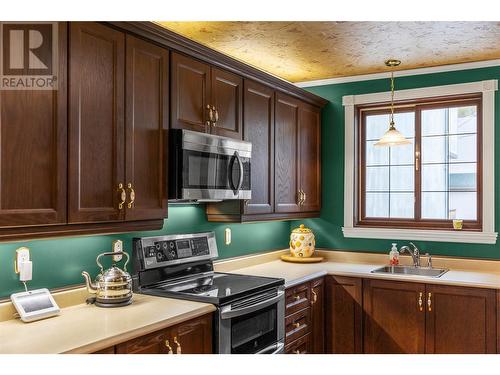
(169, 39)
(417, 106)
(34, 232)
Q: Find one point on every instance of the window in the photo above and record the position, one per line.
(429, 182)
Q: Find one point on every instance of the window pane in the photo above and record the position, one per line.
(376, 155)
(434, 149)
(463, 177)
(377, 178)
(377, 205)
(463, 120)
(402, 205)
(434, 121)
(435, 177)
(405, 123)
(402, 179)
(463, 148)
(463, 206)
(377, 125)
(404, 154)
(434, 206)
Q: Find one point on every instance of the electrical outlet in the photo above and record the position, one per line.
(227, 236)
(22, 255)
(117, 248)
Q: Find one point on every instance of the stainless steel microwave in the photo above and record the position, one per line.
(206, 167)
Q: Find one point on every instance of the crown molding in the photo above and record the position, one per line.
(401, 73)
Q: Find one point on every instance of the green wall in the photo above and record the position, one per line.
(328, 228)
(59, 262)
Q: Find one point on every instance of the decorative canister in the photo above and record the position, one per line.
(302, 242)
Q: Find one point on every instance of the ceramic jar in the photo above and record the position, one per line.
(302, 242)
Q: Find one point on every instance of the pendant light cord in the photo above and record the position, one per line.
(392, 100)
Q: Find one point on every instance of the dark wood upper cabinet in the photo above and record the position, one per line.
(227, 92)
(258, 128)
(190, 94)
(146, 124)
(460, 320)
(318, 315)
(33, 152)
(310, 156)
(286, 155)
(394, 317)
(96, 123)
(344, 315)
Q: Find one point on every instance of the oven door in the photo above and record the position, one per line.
(253, 325)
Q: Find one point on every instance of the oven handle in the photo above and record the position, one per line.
(278, 348)
(240, 165)
(228, 313)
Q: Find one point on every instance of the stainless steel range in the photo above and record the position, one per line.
(250, 309)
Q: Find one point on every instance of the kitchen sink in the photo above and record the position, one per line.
(410, 270)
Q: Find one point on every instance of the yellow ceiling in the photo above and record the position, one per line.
(304, 51)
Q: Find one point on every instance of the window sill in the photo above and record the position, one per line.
(421, 234)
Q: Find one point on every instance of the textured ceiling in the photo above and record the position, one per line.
(303, 51)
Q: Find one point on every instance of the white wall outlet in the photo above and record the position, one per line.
(227, 236)
(117, 248)
(22, 255)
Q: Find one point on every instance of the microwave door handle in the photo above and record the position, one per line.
(228, 313)
(278, 348)
(240, 164)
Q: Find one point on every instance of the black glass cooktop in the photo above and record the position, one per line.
(216, 288)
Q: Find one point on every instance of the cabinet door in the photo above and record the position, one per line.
(258, 128)
(318, 315)
(33, 151)
(227, 98)
(310, 157)
(146, 129)
(344, 315)
(153, 343)
(394, 317)
(460, 320)
(193, 337)
(96, 122)
(286, 163)
(190, 93)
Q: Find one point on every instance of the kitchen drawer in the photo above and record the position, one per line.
(297, 298)
(153, 343)
(297, 325)
(300, 346)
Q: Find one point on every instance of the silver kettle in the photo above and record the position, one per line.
(112, 287)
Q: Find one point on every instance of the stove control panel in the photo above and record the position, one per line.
(176, 249)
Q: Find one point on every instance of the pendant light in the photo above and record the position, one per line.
(392, 136)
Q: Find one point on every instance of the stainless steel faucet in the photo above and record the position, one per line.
(415, 254)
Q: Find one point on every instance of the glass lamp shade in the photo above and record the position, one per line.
(392, 137)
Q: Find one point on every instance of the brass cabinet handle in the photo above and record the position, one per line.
(420, 302)
(169, 348)
(296, 325)
(301, 197)
(315, 297)
(296, 298)
(216, 116)
(123, 196)
(131, 194)
(305, 196)
(210, 114)
(297, 351)
(429, 301)
(179, 348)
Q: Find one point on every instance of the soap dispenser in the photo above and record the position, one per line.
(394, 255)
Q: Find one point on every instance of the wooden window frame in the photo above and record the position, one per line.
(416, 106)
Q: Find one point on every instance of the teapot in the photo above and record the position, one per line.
(112, 287)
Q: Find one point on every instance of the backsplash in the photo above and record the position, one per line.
(328, 228)
(58, 262)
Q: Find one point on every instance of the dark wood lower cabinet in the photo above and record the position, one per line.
(460, 320)
(394, 320)
(344, 315)
(300, 346)
(190, 337)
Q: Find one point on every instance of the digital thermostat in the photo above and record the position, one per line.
(35, 304)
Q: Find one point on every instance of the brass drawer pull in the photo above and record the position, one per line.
(296, 298)
(179, 348)
(297, 351)
(123, 196)
(131, 194)
(315, 297)
(296, 325)
(429, 301)
(169, 348)
(420, 302)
